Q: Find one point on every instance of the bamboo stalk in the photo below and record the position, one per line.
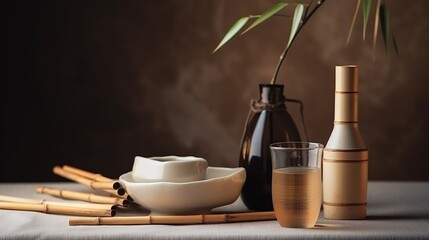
(88, 182)
(105, 185)
(175, 220)
(55, 209)
(4, 198)
(120, 193)
(87, 197)
(93, 176)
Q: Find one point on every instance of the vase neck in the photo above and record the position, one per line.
(271, 93)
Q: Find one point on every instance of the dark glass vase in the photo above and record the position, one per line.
(268, 122)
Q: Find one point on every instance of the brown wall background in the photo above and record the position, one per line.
(94, 83)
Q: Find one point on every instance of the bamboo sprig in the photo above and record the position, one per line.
(381, 18)
(303, 22)
(175, 220)
(377, 19)
(301, 16)
(87, 197)
(353, 21)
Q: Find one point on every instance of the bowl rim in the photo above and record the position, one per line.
(164, 160)
(231, 172)
(170, 168)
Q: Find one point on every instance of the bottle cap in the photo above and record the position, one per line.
(346, 78)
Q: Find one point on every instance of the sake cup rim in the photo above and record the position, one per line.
(296, 145)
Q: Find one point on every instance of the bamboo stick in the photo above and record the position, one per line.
(55, 209)
(93, 176)
(105, 185)
(88, 182)
(88, 197)
(4, 198)
(120, 193)
(175, 220)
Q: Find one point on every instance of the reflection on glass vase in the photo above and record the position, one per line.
(268, 122)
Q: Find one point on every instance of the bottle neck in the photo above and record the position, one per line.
(346, 107)
(346, 94)
(272, 94)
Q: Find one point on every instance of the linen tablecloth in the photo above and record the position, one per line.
(396, 210)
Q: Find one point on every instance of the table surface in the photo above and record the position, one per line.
(398, 210)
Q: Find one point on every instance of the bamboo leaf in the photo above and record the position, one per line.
(297, 16)
(385, 23)
(376, 21)
(266, 15)
(395, 45)
(366, 8)
(353, 22)
(232, 32)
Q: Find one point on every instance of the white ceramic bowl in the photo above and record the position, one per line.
(222, 186)
(169, 169)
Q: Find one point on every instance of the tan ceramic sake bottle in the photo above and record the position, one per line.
(345, 157)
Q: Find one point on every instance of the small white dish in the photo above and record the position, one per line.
(222, 186)
(169, 169)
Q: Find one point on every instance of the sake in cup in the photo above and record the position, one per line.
(296, 183)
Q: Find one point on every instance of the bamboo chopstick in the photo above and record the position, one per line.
(88, 197)
(185, 219)
(55, 209)
(88, 182)
(4, 198)
(93, 176)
